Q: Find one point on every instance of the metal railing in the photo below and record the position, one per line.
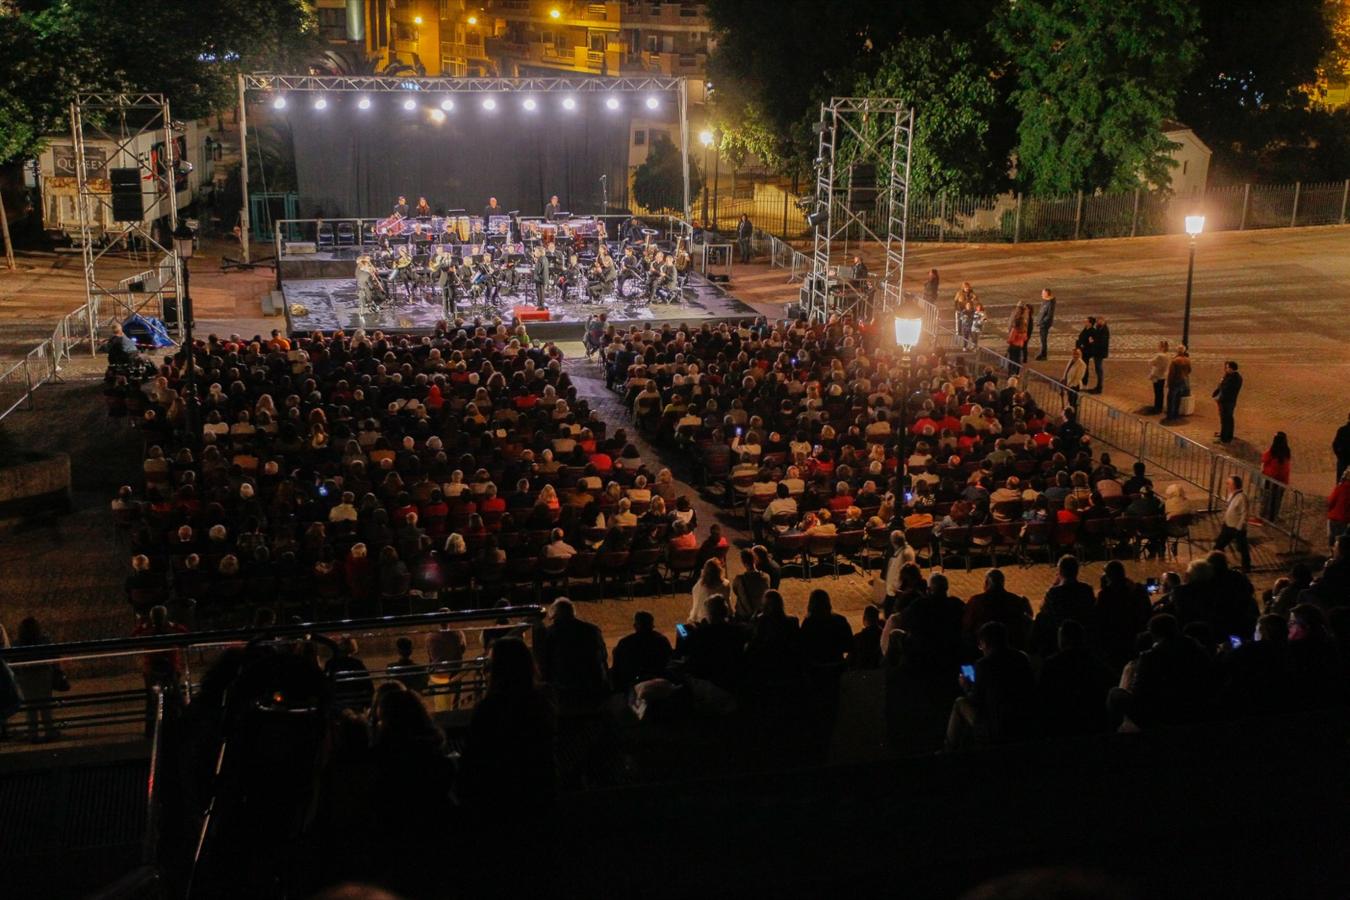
(1010, 217)
(43, 363)
(1158, 447)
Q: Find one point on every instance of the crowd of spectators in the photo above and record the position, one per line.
(373, 470)
(802, 425)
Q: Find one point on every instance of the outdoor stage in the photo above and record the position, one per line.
(319, 290)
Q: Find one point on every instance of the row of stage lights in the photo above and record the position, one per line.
(489, 103)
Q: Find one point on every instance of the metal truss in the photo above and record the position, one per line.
(121, 120)
(390, 84)
(586, 84)
(877, 131)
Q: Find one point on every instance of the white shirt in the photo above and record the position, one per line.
(780, 505)
(559, 550)
(893, 567)
(698, 610)
(1157, 369)
(1235, 513)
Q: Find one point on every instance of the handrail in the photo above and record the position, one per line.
(1149, 442)
(125, 646)
(150, 842)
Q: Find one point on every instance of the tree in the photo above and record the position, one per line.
(956, 145)
(189, 50)
(658, 183)
(1095, 79)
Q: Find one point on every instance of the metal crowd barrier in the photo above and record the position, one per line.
(43, 363)
(1156, 446)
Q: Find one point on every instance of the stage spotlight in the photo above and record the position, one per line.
(529, 104)
(437, 116)
(320, 103)
(410, 104)
(653, 103)
(417, 20)
(569, 103)
(447, 104)
(489, 103)
(555, 13)
(612, 103)
(279, 102)
(363, 103)
(473, 20)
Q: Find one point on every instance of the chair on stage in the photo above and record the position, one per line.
(346, 234)
(324, 236)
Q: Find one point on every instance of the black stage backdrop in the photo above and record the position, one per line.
(355, 162)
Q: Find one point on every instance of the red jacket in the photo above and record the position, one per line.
(1277, 469)
(1338, 505)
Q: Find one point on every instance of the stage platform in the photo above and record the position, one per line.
(329, 303)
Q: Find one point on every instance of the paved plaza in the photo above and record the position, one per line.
(1268, 299)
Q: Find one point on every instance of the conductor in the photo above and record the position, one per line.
(492, 209)
(541, 273)
(552, 209)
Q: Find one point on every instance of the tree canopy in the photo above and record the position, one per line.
(1095, 80)
(957, 144)
(658, 183)
(189, 50)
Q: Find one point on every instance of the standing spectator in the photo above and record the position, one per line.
(352, 688)
(1178, 382)
(508, 764)
(1157, 375)
(997, 604)
(404, 669)
(572, 656)
(965, 295)
(998, 704)
(1019, 335)
(1045, 319)
(1086, 342)
(36, 683)
(930, 287)
(1340, 446)
(1226, 395)
(162, 668)
(640, 656)
(901, 554)
(1338, 509)
(1075, 375)
(1275, 465)
(1072, 686)
(1122, 613)
(715, 650)
(1234, 527)
(1068, 598)
(866, 652)
(744, 231)
(826, 637)
(748, 588)
(711, 582)
(1101, 349)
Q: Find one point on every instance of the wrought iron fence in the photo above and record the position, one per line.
(774, 208)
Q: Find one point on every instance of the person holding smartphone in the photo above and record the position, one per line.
(999, 702)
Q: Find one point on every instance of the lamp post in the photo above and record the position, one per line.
(908, 330)
(1194, 225)
(183, 244)
(705, 137)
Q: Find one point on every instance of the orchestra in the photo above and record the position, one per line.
(469, 263)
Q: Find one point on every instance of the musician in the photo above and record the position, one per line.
(442, 267)
(541, 273)
(423, 208)
(571, 272)
(420, 238)
(404, 273)
(486, 275)
(401, 207)
(630, 266)
(603, 274)
(551, 211)
(662, 277)
(369, 289)
(682, 258)
(492, 209)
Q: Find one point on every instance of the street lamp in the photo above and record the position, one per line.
(908, 330)
(1194, 225)
(705, 137)
(184, 245)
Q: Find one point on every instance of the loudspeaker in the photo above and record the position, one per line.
(126, 195)
(863, 195)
